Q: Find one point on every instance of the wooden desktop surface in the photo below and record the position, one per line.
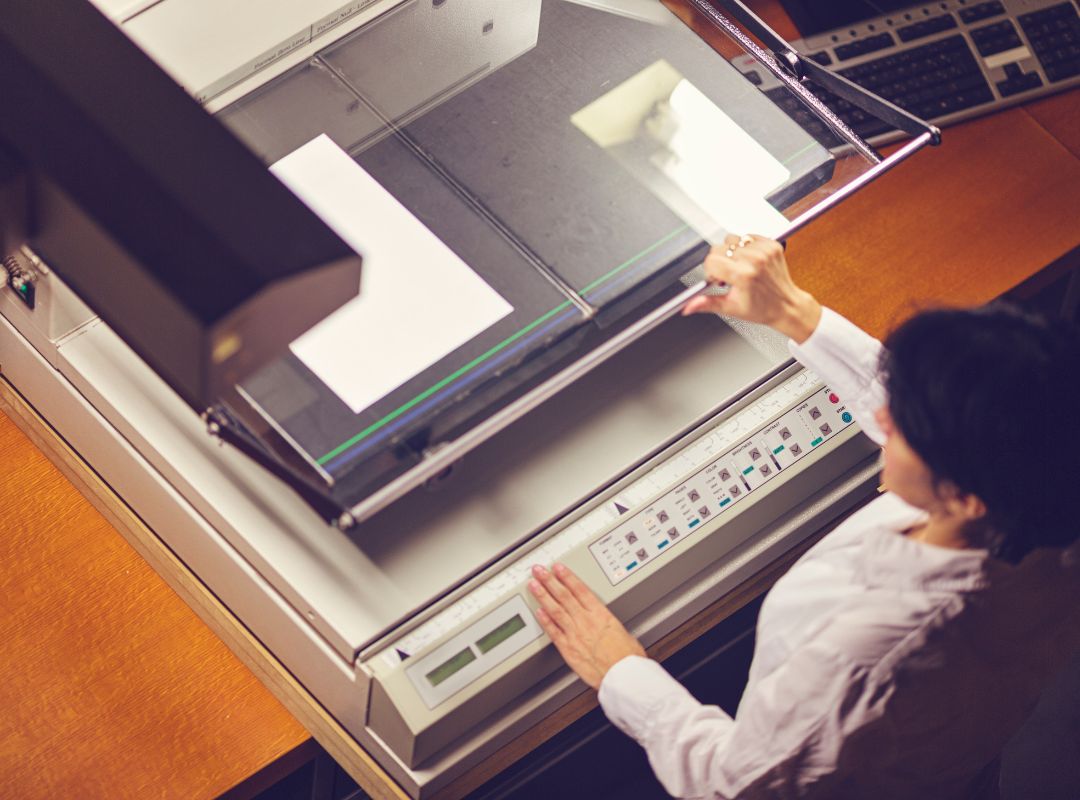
(112, 687)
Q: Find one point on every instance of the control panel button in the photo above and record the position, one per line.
(729, 462)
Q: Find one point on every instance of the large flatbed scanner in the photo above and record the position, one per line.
(568, 159)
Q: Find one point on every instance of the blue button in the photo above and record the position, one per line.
(748, 470)
(693, 522)
(725, 501)
(846, 417)
(816, 442)
(663, 544)
(631, 565)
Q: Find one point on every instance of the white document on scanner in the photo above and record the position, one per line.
(418, 300)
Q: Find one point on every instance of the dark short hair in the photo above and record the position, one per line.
(989, 399)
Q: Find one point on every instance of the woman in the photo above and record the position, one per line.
(901, 652)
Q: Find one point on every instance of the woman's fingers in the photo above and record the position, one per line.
(551, 628)
(717, 266)
(557, 589)
(582, 593)
(550, 605)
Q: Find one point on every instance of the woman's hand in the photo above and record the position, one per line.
(585, 633)
(759, 287)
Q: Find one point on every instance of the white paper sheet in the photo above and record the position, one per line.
(723, 169)
(418, 300)
(715, 175)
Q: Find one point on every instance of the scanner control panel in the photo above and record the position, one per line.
(720, 485)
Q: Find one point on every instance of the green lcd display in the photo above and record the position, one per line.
(500, 634)
(450, 666)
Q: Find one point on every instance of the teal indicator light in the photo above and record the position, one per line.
(846, 417)
(816, 442)
(725, 501)
(631, 565)
(778, 450)
(748, 470)
(694, 523)
(663, 544)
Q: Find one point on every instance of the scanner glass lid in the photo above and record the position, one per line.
(557, 148)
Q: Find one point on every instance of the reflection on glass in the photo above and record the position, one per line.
(688, 152)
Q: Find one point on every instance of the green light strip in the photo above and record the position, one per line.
(370, 429)
(625, 264)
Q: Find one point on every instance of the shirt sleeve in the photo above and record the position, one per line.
(847, 358)
(788, 740)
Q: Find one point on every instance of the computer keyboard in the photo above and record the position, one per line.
(943, 62)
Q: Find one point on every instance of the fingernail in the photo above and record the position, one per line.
(539, 571)
(534, 587)
(559, 569)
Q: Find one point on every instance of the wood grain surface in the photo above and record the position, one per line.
(1060, 116)
(960, 224)
(111, 686)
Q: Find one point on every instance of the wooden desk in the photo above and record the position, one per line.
(113, 687)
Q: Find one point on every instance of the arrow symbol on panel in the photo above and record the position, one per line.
(401, 653)
(620, 508)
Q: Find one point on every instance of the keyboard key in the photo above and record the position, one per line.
(1054, 34)
(996, 38)
(931, 80)
(945, 76)
(1024, 83)
(981, 11)
(821, 58)
(918, 30)
(861, 47)
(1062, 70)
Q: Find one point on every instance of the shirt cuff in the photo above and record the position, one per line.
(821, 344)
(634, 691)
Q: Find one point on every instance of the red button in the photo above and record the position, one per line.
(833, 398)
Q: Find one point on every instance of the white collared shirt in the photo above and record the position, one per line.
(884, 667)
